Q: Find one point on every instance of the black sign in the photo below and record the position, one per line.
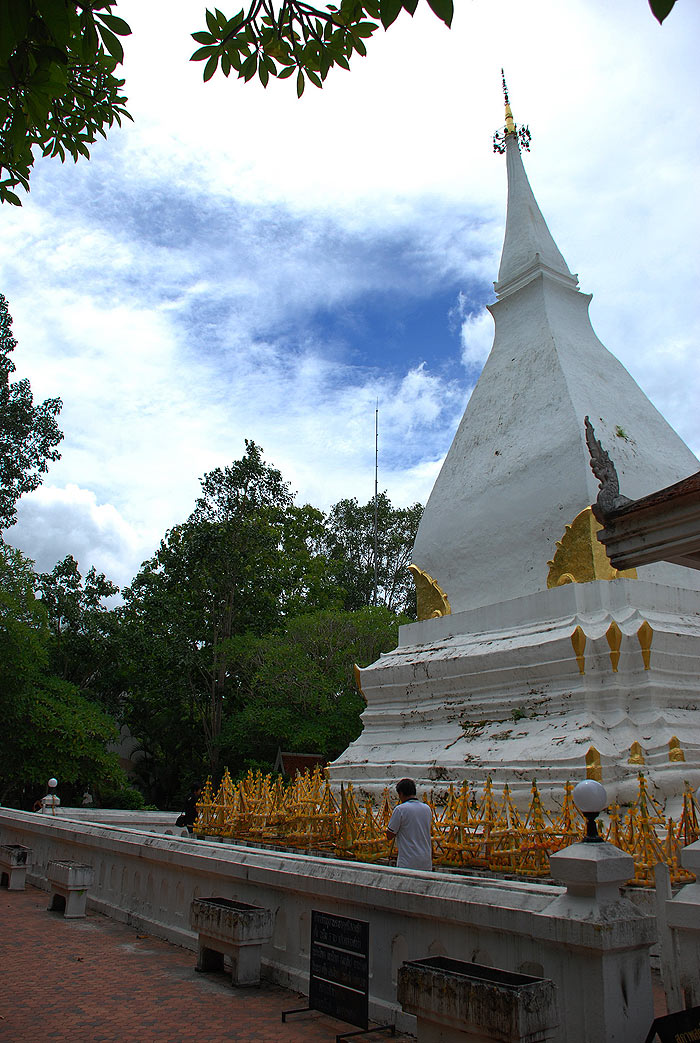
(681, 1027)
(339, 982)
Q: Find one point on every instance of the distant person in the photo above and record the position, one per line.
(410, 824)
(189, 815)
(87, 799)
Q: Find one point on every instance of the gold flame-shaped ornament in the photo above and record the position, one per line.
(358, 680)
(578, 642)
(594, 768)
(614, 638)
(580, 558)
(636, 754)
(431, 599)
(645, 636)
(675, 753)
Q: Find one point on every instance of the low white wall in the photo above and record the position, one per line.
(144, 821)
(599, 962)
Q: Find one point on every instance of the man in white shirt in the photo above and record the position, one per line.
(410, 824)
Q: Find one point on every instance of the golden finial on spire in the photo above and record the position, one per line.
(511, 127)
(510, 122)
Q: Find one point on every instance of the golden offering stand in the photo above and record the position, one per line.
(469, 831)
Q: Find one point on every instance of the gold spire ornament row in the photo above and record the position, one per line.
(471, 830)
(613, 636)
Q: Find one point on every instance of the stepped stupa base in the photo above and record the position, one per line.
(498, 691)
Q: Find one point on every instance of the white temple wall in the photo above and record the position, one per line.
(150, 881)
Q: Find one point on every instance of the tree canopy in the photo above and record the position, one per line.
(238, 636)
(48, 726)
(29, 433)
(59, 87)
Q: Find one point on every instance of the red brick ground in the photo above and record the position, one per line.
(95, 979)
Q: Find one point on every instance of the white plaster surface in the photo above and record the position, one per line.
(518, 468)
(599, 964)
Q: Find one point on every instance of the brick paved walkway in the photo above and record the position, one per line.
(95, 979)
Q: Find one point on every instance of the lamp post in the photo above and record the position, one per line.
(52, 783)
(590, 798)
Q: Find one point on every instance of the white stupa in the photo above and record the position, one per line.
(533, 658)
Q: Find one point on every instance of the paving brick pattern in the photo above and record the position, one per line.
(94, 980)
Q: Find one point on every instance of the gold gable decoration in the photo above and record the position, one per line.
(580, 558)
(432, 601)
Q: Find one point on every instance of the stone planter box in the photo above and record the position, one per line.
(458, 1002)
(68, 887)
(14, 861)
(234, 929)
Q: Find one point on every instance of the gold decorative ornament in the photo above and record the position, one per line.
(594, 769)
(358, 681)
(614, 638)
(675, 753)
(578, 641)
(580, 558)
(431, 599)
(636, 754)
(645, 636)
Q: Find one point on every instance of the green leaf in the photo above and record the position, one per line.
(263, 74)
(203, 38)
(661, 8)
(389, 11)
(203, 52)
(212, 23)
(249, 67)
(234, 22)
(210, 67)
(410, 6)
(56, 19)
(286, 72)
(444, 9)
(111, 43)
(117, 25)
(300, 84)
(314, 78)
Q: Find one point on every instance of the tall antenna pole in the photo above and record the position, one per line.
(376, 517)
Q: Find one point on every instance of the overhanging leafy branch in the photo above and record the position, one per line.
(297, 37)
(58, 88)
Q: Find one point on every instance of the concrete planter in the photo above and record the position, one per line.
(234, 929)
(68, 887)
(457, 1002)
(14, 860)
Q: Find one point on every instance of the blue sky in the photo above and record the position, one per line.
(239, 264)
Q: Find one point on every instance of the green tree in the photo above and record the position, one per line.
(245, 559)
(29, 433)
(81, 626)
(351, 552)
(298, 687)
(49, 728)
(58, 88)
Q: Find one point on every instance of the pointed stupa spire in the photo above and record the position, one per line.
(528, 246)
(517, 472)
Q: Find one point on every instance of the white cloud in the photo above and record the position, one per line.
(56, 522)
(206, 277)
(477, 335)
